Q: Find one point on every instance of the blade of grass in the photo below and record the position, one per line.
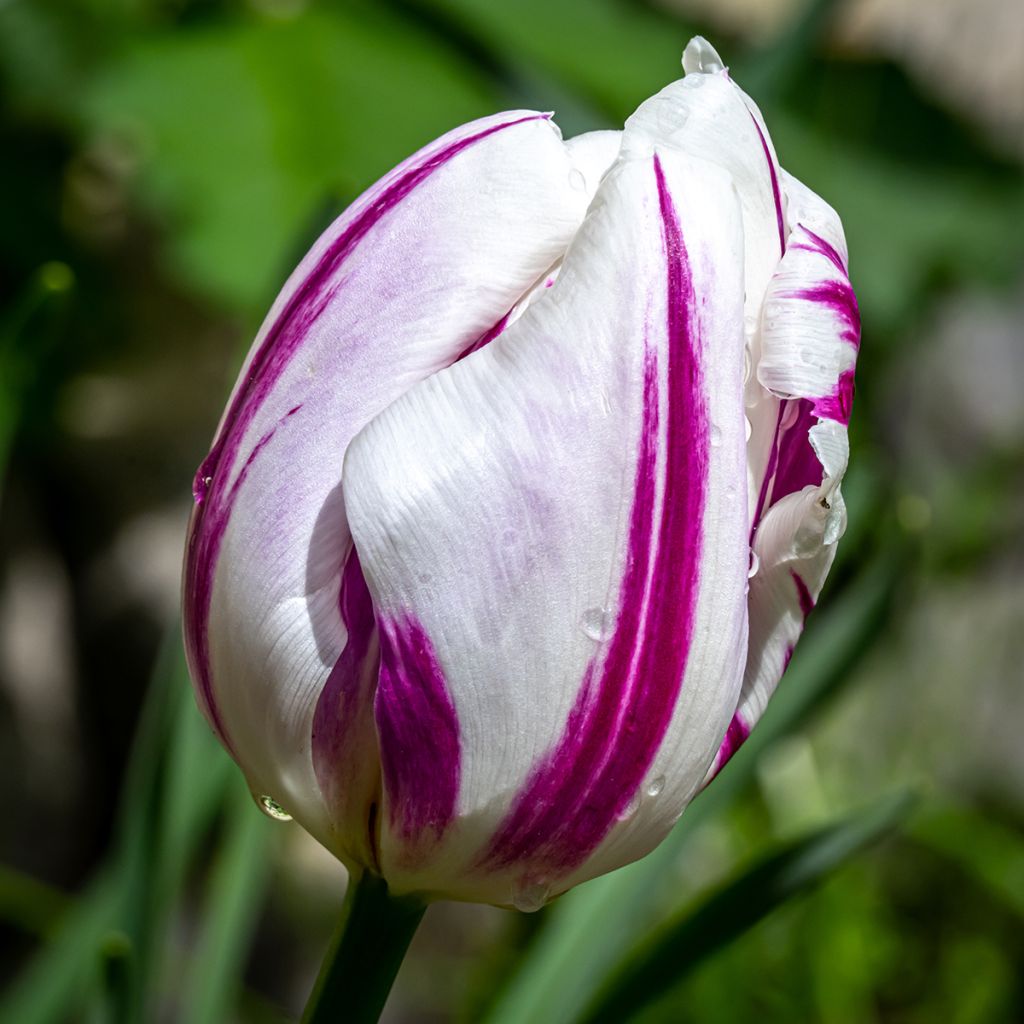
(660, 962)
(173, 784)
(589, 927)
(234, 901)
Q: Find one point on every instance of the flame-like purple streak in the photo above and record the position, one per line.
(839, 298)
(418, 731)
(735, 736)
(349, 688)
(573, 797)
(803, 595)
(282, 341)
(815, 243)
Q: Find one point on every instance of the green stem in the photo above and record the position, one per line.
(367, 949)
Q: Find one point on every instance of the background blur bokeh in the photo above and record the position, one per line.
(164, 164)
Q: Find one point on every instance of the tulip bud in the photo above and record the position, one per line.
(524, 492)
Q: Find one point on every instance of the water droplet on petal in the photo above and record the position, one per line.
(577, 181)
(656, 785)
(716, 437)
(701, 58)
(755, 564)
(596, 623)
(272, 809)
(530, 895)
(204, 476)
(747, 428)
(200, 487)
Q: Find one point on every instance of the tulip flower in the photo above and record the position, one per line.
(524, 493)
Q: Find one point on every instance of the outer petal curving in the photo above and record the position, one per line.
(554, 532)
(277, 616)
(708, 115)
(809, 343)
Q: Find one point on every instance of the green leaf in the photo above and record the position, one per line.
(245, 128)
(660, 962)
(589, 927)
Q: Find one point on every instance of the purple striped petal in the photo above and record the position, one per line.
(546, 511)
(619, 722)
(810, 338)
(423, 266)
(419, 736)
(343, 739)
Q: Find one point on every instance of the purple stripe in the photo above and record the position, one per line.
(776, 192)
(735, 736)
(839, 404)
(347, 692)
(574, 796)
(803, 594)
(418, 731)
(283, 340)
(823, 248)
(486, 338)
(838, 297)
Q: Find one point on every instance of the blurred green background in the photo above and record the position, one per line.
(165, 163)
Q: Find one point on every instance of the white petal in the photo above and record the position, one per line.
(592, 155)
(810, 338)
(708, 115)
(554, 531)
(417, 270)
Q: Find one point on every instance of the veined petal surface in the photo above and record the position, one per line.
(425, 264)
(554, 531)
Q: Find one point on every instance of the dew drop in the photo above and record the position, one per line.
(272, 809)
(596, 623)
(530, 895)
(747, 428)
(716, 437)
(670, 117)
(577, 181)
(200, 487)
(656, 785)
(755, 564)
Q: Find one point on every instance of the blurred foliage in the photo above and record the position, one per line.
(167, 163)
